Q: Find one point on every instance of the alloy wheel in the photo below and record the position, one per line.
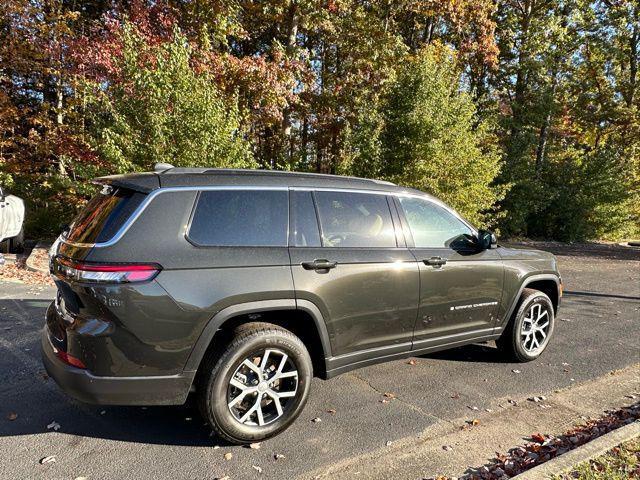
(534, 332)
(262, 388)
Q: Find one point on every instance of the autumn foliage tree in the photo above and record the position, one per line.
(522, 113)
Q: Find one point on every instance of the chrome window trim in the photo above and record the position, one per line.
(142, 207)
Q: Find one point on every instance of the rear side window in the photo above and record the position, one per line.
(242, 218)
(355, 220)
(104, 215)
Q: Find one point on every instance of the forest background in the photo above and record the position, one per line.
(522, 114)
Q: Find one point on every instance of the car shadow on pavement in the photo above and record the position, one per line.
(31, 403)
(477, 352)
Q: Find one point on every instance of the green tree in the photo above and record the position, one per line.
(426, 135)
(163, 110)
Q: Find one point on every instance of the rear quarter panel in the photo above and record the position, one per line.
(195, 283)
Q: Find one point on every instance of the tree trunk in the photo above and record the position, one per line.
(633, 56)
(290, 50)
(544, 129)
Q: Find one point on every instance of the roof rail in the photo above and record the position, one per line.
(162, 167)
(233, 171)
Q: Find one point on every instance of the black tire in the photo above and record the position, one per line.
(219, 367)
(511, 342)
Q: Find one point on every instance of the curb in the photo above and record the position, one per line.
(41, 248)
(584, 453)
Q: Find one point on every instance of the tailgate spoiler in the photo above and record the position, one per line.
(138, 182)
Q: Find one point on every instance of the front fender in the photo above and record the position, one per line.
(525, 281)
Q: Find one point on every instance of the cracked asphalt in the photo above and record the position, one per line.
(597, 331)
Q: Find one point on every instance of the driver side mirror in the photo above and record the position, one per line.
(486, 240)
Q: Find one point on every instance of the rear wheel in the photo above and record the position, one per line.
(257, 385)
(530, 328)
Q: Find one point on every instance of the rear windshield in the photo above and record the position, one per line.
(103, 216)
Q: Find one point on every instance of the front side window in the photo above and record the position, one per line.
(432, 226)
(241, 218)
(355, 220)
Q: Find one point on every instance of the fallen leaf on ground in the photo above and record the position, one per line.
(516, 371)
(447, 448)
(389, 395)
(384, 400)
(257, 468)
(389, 443)
(475, 422)
(537, 399)
(228, 456)
(331, 411)
(278, 456)
(254, 446)
(12, 416)
(538, 437)
(412, 362)
(49, 459)
(54, 425)
(472, 407)
(545, 447)
(455, 395)
(316, 420)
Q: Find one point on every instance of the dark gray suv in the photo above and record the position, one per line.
(241, 285)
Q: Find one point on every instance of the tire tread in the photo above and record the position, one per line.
(506, 342)
(215, 359)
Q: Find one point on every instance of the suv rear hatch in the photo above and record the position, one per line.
(81, 283)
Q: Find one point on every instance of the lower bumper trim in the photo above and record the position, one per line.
(88, 388)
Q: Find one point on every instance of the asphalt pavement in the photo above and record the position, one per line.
(597, 331)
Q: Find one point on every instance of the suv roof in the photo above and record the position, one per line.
(196, 177)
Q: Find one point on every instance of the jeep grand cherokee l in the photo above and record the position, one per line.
(242, 285)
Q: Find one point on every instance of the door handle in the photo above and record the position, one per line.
(319, 264)
(435, 262)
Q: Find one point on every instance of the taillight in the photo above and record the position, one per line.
(105, 272)
(70, 359)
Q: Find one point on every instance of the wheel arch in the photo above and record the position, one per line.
(301, 317)
(548, 283)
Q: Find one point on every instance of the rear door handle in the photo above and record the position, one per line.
(435, 262)
(319, 264)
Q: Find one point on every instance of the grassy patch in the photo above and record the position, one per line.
(620, 463)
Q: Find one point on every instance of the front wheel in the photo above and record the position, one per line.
(257, 386)
(530, 328)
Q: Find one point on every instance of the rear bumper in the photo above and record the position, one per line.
(82, 385)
